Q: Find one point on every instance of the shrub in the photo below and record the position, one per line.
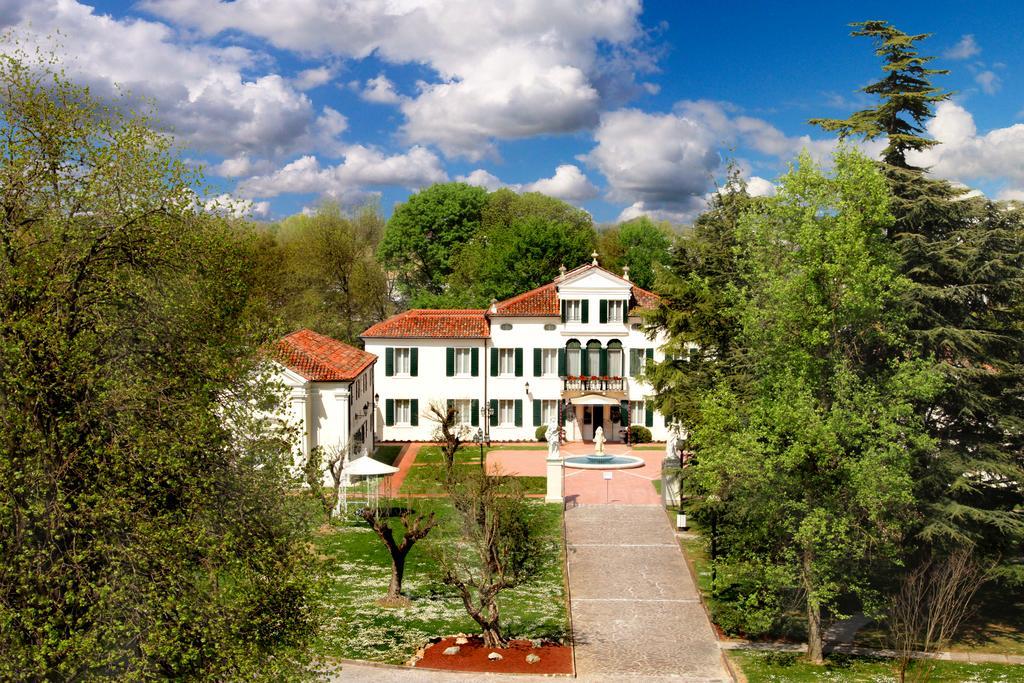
(639, 434)
(542, 433)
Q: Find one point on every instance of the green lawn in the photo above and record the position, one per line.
(357, 570)
(425, 475)
(760, 667)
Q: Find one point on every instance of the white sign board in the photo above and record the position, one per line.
(607, 475)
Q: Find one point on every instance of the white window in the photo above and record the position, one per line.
(615, 362)
(506, 413)
(464, 408)
(403, 364)
(637, 414)
(572, 357)
(506, 361)
(615, 309)
(594, 360)
(462, 361)
(549, 361)
(548, 411)
(403, 411)
(573, 311)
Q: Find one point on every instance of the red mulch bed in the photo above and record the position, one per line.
(554, 658)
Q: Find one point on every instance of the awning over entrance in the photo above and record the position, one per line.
(593, 400)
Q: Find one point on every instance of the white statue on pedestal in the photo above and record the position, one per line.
(554, 440)
(599, 441)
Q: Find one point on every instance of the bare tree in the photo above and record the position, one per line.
(932, 602)
(414, 527)
(449, 433)
(313, 475)
(334, 459)
(498, 548)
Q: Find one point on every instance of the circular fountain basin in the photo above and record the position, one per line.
(603, 462)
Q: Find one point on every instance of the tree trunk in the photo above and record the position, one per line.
(815, 650)
(492, 629)
(397, 572)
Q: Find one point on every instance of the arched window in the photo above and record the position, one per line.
(592, 361)
(573, 358)
(616, 364)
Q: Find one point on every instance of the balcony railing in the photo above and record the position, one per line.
(594, 384)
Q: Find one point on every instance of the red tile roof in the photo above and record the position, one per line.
(543, 301)
(321, 359)
(446, 324)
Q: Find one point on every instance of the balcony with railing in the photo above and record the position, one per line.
(574, 386)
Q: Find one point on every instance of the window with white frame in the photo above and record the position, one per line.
(464, 409)
(549, 361)
(614, 362)
(573, 310)
(506, 412)
(636, 412)
(615, 311)
(403, 363)
(548, 411)
(463, 361)
(573, 364)
(506, 361)
(403, 411)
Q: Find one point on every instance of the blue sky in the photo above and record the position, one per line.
(621, 107)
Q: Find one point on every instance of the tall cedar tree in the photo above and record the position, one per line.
(142, 538)
(965, 256)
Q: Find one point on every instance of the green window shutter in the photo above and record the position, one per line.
(414, 362)
(561, 362)
(389, 411)
(625, 312)
(603, 311)
(451, 403)
(519, 362)
(634, 362)
(648, 414)
(389, 361)
(585, 315)
(584, 362)
(536, 413)
(414, 412)
(494, 362)
(624, 413)
(519, 412)
(538, 366)
(563, 311)
(494, 412)
(604, 362)
(474, 409)
(449, 362)
(475, 362)
(650, 354)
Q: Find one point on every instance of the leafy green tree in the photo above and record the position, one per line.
(425, 233)
(639, 244)
(813, 467)
(146, 531)
(965, 257)
(326, 276)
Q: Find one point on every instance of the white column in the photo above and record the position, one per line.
(554, 489)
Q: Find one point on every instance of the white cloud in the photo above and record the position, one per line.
(988, 80)
(362, 166)
(241, 165)
(380, 90)
(481, 178)
(1011, 194)
(569, 183)
(199, 91)
(504, 68)
(313, 78)
(684, 213)
(235, 207)
(966, 156)
(965, 49)
(760, 187)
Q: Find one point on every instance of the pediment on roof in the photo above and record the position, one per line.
(594, 279)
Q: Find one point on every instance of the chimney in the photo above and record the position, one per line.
(625, 273)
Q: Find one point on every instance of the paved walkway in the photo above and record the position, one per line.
(636, 612)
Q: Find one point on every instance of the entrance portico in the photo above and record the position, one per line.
(588, 411)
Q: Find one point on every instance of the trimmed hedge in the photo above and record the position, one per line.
(639, 434)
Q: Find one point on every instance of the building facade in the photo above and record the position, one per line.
(331, 391)
(572, 350)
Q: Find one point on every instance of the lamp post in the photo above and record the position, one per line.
(485, 412)
(479, 437)
(713, 501)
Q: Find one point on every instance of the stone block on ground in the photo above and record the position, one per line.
(453, 650)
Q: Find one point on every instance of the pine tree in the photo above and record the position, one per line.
(965, 256)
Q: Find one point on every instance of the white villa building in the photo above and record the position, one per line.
(331, 392)
(572, 347)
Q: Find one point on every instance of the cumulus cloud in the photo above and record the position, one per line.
(968, 157)
(235, 207)
(200, 91)
(482, 178)
(966, 48)
(308, 79)
(362, 166)
(989, 81)
(380, 90)
(568, 183)
(504, 69)
(241, 166)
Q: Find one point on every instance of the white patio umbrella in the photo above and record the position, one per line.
(372, 470)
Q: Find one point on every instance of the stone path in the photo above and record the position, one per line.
(636, 612)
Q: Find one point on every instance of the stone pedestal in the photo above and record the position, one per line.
(554, 492)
